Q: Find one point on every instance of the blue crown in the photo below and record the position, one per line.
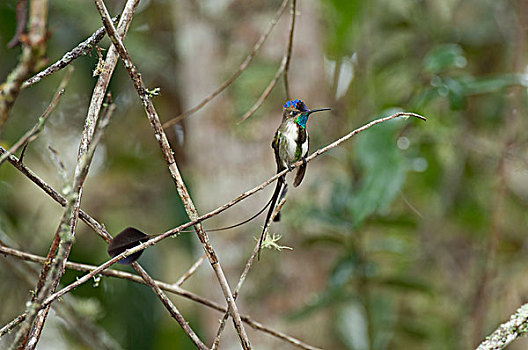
(298, 104)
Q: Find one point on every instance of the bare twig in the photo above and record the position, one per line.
(266, 91)
(137, 279)
(507, 332)
(11, 325)
(235, 75)
(175, 174)
(290, 46)
(31, 134)
(244, 274)
(191, 270)
(283, 69)
(175, 313)
(32, 52)
(80, 50)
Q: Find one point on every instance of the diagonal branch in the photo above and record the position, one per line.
(80, 50)
(507, 332)
(244, 274)
(173, 168)
(31, 134)
(283, 69)
(235, 75)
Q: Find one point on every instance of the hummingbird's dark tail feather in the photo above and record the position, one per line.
(281, 182)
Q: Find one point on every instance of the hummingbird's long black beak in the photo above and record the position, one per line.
(318, 110)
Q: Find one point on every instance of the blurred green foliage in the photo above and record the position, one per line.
(418, 227)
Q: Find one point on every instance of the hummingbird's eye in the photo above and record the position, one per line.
(292, 113)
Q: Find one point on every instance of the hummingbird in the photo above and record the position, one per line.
(290, 145)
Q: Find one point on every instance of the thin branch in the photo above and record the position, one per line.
(283, 69)
(32, 52)
(235, 75)
(137, 279)
(92, 223)
(266, 91)
(173, 168)
(175, 313)
(244, 274)
(191, 270)
(11, 325)
(80, 50)
(507, 332)
(290, 47)
(32, 134)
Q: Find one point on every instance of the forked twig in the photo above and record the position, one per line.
(80, 50)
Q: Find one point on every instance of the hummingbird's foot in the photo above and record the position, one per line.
(304, 162)
(290, 167)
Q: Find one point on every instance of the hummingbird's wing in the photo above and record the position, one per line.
(275, 146)
(302, 140)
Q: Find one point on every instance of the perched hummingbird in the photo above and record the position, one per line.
(290, 145)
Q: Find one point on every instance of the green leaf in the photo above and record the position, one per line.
(383, 171)
(444, 57)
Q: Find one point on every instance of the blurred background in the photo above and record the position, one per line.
(411, 235)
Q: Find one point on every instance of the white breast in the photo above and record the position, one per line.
(289, 142)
